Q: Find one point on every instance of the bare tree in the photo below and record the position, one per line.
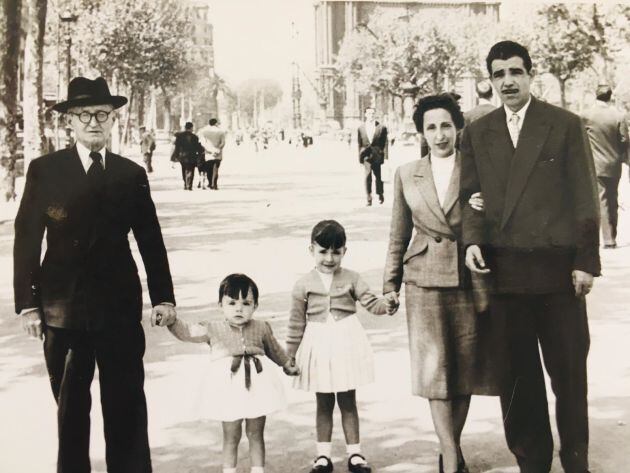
(10, 21)
(33, 102)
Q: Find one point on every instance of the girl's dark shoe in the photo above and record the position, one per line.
(461, 466)
(317, 468)
(359, 467)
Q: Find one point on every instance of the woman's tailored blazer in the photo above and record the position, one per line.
(311, 302)
(434, 257)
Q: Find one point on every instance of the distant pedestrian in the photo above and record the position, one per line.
(332, 351)
(373, 144)
(245, 385)
(147, 146)
(186, 152)
(212, 138)
(484, 106)
(608, 135)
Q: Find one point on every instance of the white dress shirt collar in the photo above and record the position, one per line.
(84, 155)
(520, 113)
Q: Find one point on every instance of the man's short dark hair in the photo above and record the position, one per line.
(603, 93)
(484, 90)
(505, 50)
(188, 126)
(213, 121)
(431, 102)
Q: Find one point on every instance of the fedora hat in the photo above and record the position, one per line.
(83, 91)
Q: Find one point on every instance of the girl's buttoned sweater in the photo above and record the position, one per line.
(253, 338)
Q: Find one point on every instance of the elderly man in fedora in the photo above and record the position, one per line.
(84, 299)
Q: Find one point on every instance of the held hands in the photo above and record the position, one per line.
(290, 369)
(392, 302)
(476, 201)
(32, 323)
(475, 261)
(582, 282)
(163, 315)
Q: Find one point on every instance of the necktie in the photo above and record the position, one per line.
(96, 171)
(513, 128)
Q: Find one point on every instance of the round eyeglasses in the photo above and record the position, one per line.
(101, 116)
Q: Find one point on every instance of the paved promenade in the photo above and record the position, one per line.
(259, 223)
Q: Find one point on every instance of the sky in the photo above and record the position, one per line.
(252, 38)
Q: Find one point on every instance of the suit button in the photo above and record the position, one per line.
(75, 243)
(451, 239)
(438, 239)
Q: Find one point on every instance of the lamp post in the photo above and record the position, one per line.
(67, 17)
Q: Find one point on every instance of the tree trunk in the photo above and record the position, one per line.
(141, 97)
(126, 129)
(563, 87)
(11, 19)
(33, 102)
(167, 111)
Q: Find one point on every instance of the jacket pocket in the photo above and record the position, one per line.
(417, 247)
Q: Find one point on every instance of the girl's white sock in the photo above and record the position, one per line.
(324, 448)
(229, 470)
(352, 449)
(258, 469)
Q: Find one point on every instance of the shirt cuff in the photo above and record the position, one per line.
(27, 310)
(166, 303)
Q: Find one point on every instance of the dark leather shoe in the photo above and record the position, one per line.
(328, 468)
(610, 246)
(360, 467)
(381, 198)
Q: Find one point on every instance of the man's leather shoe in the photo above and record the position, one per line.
(381, 198)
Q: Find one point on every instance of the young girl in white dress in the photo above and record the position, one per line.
(331, 348)
(244, 383)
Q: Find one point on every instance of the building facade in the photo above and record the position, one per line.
(335, 18)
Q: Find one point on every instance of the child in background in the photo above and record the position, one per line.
(331, 348)
(244, 382)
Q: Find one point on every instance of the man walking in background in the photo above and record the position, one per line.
(373, 146)
(608, 135)
(212, 138)
(147, 146)
(186, 152)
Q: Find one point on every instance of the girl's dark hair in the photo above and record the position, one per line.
(329, 234)
(431, 102)
(236, 285)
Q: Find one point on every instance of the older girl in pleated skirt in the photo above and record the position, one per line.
(330, 345)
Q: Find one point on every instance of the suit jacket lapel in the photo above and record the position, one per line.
(452, 193)
(424, 180)
(377, 132)
(530, 142)
(500, 147)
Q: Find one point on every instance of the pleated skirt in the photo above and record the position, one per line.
(334, 356)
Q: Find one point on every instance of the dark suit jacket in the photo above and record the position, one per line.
(88, 277)
(541, 212)
(187, 148)
(608, 134)
(376, 147)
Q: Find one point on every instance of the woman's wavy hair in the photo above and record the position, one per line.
(431, 102)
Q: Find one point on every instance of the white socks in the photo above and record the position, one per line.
(351, 449)
(229, 470)
(324, 448)
(258, 469)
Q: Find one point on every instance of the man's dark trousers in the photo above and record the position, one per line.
(71, 356)
(608, 207)
(373, 168)
(559, 322)
(188, 174)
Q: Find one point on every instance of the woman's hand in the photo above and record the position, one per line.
(392, 302)
(290, 369)
(476, 201)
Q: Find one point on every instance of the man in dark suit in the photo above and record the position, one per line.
(608, 134)
(187, 151)
(372, 140)
(538, 235)
(85, 298)
(484, 93)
